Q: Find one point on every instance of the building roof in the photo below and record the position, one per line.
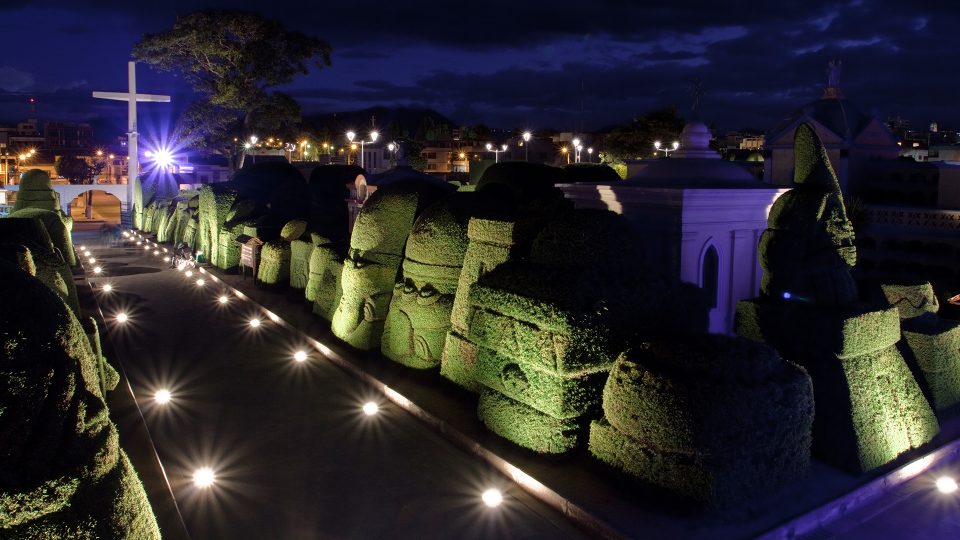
(837, 114)
(694, 165)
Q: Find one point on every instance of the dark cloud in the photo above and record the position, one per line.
(559, 64)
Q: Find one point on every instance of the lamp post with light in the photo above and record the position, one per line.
(373, 138)
(577, 147)
(526, 145)
(496, 152)
(590, 155)
(392, 147)
(666, 150)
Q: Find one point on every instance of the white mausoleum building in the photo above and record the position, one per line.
(700, 216)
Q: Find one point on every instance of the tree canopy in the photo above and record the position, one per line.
(635, 139)
(233, 59)
(78, 170)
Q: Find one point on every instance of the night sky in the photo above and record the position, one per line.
(522, 64)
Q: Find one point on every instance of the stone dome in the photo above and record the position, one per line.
(694, 164)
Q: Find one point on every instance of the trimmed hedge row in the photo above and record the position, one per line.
(51, 268)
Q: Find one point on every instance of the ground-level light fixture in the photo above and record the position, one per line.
(300, 356)
(201, 282)
(255, 322)
(106, 287)
(92, 260)
(492, 498)
(122, 317)
(162, 396)
(204, 477)
(97, 269)
(370, 408)
(946, 484)
(224, 299)
(188, 273)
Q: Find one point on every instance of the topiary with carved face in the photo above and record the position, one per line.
(419, 316)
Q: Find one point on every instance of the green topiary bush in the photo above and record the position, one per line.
(807, 250)
(930, 345)
(870, 407)
(108, 377)
(36, 191)
(51, 268)
(911, 299)
(373, 261)
(56, 229)
(215, 201)
(300, 251)
(324, 283)
(274, 266)
(526, 426)
(711, 418)
(419, 316)
(62, 472)
(490, 244)
(293, 229)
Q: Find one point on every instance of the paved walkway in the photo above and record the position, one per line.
(293, 452)
(295, 456)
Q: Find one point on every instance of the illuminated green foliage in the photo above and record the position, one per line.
(51, 268)
(419, 314)
(63, 472)
(807, 250)
(373, 261)
(36, 191)
(715, 419)
(57, 229)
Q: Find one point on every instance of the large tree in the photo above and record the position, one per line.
(233, 59)
(635, 139)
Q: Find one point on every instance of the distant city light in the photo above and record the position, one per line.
(204, 477)
(492, 498)
(946, 484)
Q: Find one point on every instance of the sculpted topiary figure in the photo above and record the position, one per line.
(376, 250)
(807, 251)
(870, 409)
(36, 191)
(715, 419)
(930, 344)
(62, 473)
(419, 316)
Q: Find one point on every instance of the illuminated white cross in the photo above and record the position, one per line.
(131, 97)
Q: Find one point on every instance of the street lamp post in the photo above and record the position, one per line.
(666, 150)
(566, 153)
(373, 138)
(590, 154)
(526, 145)
(496, 152)
(392, 147)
